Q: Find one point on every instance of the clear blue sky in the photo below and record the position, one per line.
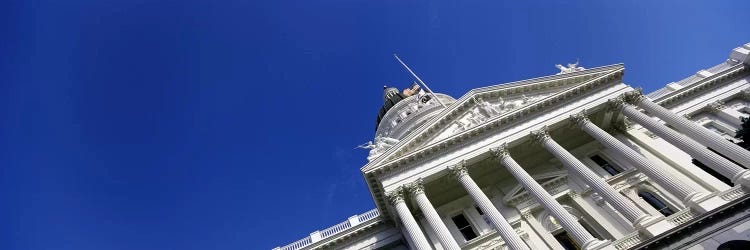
(231, 124)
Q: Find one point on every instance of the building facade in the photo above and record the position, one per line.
(576, 160)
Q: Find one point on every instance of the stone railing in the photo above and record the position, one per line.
(732, 193)
(628, 241)
(681, 217)
(331, 231)
(297, 244)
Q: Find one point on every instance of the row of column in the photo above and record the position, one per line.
(648, 224)
(416, 190)
(695, 145)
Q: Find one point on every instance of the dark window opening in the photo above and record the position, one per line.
(656, 203)
(589, 229)
(712, 172)
(566, 241)
(464, 227)
(734, 245)
(712, 150)
(605, 165)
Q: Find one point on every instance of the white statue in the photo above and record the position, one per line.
(386, 140)
(572, 67)
(367, 145)
(382, 143)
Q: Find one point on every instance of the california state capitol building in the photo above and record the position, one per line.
(574, 160)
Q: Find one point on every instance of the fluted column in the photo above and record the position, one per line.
(614, 198)
(567, 221)
(737, 174)
(444, 236)
(396, 199)
(700, 133)
(498, 221)
(673, 185)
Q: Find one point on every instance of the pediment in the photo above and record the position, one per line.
(482, 107)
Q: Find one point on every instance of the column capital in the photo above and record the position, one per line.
(715, 106)
(541, 135)
(416, 187)
(616, 103)
(395, 196)
(501, 151)
(458, 170)
(634, 96)
(579, 118)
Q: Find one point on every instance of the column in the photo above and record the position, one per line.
(498, 221)
(628, 209)
(700, 133)
(396, 199)
(444, 236)
(737, 174)
(567, 221)
(674, 186)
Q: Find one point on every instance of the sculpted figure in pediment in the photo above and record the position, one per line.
(475, 117)
(485, 107)
(460, 126)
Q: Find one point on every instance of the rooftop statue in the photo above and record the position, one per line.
(572, 67)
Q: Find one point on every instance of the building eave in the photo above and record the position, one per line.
(702, 85)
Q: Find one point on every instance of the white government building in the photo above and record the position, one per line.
(576, 160)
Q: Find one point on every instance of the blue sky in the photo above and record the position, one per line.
(231, 124)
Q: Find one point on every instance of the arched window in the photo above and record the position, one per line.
(656, 203)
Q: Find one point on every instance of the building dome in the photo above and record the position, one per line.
(400, 113)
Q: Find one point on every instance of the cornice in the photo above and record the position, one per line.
(701, 85)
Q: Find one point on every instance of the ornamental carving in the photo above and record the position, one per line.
(715, 106)
(458, 170)
(579, 118)
(500, 152)
(541, 135)
(395, 196)
(416, 187)
(633, 97)
(615, 104)
(745, 94)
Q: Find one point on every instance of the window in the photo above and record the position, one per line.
(566, 241)
(712, 172)
(656, 203)
(605, 165)
(713, 128)
(464, 227)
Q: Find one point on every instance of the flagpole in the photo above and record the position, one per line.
(420, 80)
